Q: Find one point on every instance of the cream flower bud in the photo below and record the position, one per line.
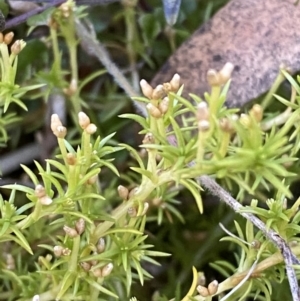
(83, 120)
(55, 122)
(175, 82)
(255, 244)
(257, 112)
(133, 191)
(10, 262)
(97, 272)
(60, 132)
(80, 226)
(123, 192)
(66, 252)
(39, 191)
(203, 125)
(225, 73)
(147, 90)
(226, 125)
(245, 120)
(73, 86)
(153, 110)
(92, 180)
(202, 111)
(58, 251)
(145, 209)
(46, 200)
(158, 92)
(91, 129)
(213, 287)
(164, 105)
(202, 290)
(85, 265)
(167, 87)
(106, 270)
(71, 159)
(148, 139)
(8, 38)
(132, 212)
(17, 47)
(70, 231)
(100, 245)
(213, 78)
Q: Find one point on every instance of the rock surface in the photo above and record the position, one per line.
(256, 36)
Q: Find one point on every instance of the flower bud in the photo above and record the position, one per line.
(70, 231)
(100, 245)
(148, 139)
(55, 122)
(167, 87)
(202, 290)
(213, 287)
(202, 111)
(158, 92)
(92, 180)
(58, 251)
(8, 38)
(83, 120)
(123, 192)
(255, 244)
(60, 132)
(85, 265)
(147, 90)
(203, 126)
(10, 262)
(145, 209)
(164, 105)
(157, 201)
(175, 82)
(97, 272)
(226, 125)
(133, 191)
(225, 73)
(153, 111)
(257, 112)
(201, 279)
(132, 212)
(73, 86)
(46, 200)
(91, 129)
(71, 159)
(1, 37)
(17, 47)
(80, 226)
(39, 191)
(245, 120)
(106, 270)
(213, 78)
(66, 252)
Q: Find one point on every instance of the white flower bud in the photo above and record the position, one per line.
(83, 120)
(146, 89)
(106, 270)
(175, 82)
(213, 287)
(70, 231)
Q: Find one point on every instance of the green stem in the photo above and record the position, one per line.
(74, 254)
